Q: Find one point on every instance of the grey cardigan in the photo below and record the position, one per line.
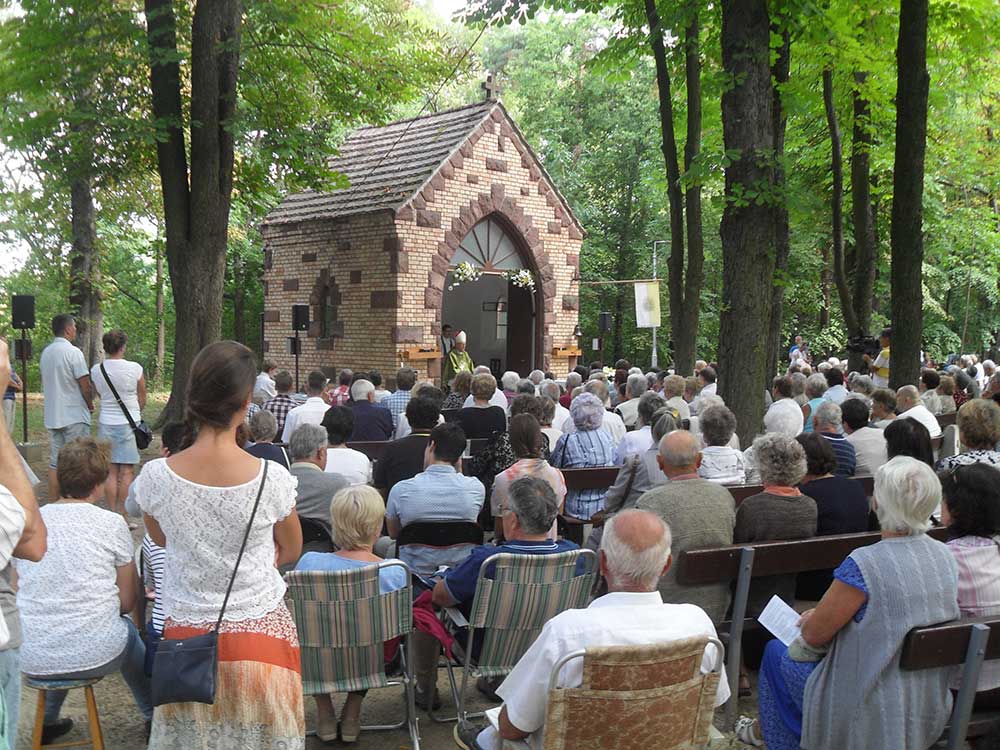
(858, 697)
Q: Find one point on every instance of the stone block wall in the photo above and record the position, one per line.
(343, 266)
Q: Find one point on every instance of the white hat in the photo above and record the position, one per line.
(834, 362)
(460, 337)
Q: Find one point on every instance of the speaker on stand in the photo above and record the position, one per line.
(22, 314)
(300, 322)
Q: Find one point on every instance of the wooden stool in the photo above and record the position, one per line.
(96, 739)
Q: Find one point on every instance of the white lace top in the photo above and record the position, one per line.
(204, 527)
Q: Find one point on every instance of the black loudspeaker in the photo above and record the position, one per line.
(22, 312)
(300, 317)
(604, 322)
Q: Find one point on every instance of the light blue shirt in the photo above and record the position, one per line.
(439, 493)
(62, 365)
(390, 578)
(396, 404)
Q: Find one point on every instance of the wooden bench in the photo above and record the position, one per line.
(946, 420)
(375, 448)
(602, 478)
(968, 643)
(743, 562)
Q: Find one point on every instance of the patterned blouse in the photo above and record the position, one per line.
(584, 450)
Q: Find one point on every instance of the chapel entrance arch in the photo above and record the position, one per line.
(501, 319)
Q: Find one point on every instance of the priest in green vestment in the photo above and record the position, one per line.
(458, 360)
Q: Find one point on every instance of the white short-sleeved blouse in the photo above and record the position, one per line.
(204, 528)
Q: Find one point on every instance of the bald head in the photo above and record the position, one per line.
(635, 551)
(679, 454)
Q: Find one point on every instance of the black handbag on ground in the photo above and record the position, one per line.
(185, 670)
(143, 435)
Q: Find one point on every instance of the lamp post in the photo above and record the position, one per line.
(653, 358)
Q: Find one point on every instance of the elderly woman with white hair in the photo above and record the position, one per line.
(720, 462)
(816, 386)
(839, 685)
(781, 511)
(587, 447)
(356, 516)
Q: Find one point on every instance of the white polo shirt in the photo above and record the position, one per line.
(311, 412)
(923, 415)
(62, 365)
(616, 619)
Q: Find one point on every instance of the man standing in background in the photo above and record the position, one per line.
(68, 392)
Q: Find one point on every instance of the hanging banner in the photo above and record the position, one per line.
(647, 304)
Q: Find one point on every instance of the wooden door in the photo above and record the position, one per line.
(520, 329)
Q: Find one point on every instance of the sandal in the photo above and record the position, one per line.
(747, 731)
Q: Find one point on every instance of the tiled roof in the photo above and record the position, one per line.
(380, 179)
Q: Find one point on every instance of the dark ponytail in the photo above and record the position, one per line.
(219, 386)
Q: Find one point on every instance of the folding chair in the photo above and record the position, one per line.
(634, 698)
(515, 596)
(343, 621)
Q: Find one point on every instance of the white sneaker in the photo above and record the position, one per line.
(747, 731)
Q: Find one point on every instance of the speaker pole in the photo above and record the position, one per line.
(24, 384)
(297, 350)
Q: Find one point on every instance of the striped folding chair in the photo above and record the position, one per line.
(515, 596)
(343, 621)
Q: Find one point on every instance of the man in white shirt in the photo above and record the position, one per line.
(68, 392)
(707, 377)
(909, 406)
(263, 388)
(312, 411)
(835, 392)
(611, 424)
(869, 442)
(640, 439)
(635, 552)
(634, 388)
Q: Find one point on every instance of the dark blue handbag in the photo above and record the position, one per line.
(184, 671)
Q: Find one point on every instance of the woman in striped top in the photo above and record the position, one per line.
(970, 509)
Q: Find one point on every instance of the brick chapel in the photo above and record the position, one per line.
(375, 260)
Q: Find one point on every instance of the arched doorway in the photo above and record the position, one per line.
(499, 317)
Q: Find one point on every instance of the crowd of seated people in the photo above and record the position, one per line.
(327, 506)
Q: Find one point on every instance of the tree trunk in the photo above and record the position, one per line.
(780, 72)
(624, 241)
(85, 269)
(863, 211)
(837, 206)
(161, 323)
(196, 218)
(824, 287)
(685, 347)
(908, 184)
(748, 224)
(239, 300)
(684, 340)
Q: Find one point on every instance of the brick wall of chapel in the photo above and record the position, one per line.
(492, 172)
(351, 256)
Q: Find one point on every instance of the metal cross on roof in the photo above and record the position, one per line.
(491, 87)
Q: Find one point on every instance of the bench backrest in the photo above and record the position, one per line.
(374, 449)
(720, 564)
(946, 644)
(602, 478)
(947, 419)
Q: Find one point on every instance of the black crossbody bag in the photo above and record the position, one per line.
(185, 670)
(143, 435)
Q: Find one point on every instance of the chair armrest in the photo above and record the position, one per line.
(456, 617)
